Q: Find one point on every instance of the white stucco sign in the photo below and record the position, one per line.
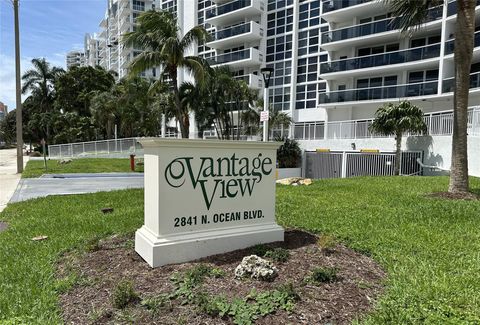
(204, 197)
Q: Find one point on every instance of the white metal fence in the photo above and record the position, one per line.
(119, 147)
(438, 123)
(342, 164)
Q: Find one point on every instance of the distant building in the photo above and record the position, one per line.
(92, 50)
(75, 59)
(3, 111)
(120, 18)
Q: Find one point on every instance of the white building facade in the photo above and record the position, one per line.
(333, 60)
(75, 59)
(120, 19)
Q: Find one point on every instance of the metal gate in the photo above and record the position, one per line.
(323, 165)
(336, 164)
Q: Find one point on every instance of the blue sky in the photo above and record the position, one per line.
(48, 28)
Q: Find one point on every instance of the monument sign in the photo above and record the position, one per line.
(204, 197)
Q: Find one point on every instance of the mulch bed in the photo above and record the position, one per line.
(455, 196)
(3, 226)
(340, 302)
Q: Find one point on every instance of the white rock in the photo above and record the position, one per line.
(257, 268)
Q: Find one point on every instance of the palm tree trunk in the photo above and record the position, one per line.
(178, 107)
(398, 153)
(465, 27)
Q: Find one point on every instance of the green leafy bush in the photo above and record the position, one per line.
(289, 154)
(124, 294)
(323, 275)
(278, 254)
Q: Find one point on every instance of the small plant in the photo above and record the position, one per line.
(278, 254)
(124, 294)
(327, 243)
(260, 250)
(217, 272)
(289, 154)
(187, 282)
(155, 304)
(323, 275)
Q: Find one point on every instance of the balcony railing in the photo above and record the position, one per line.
(450, 45)
(383, 92)
(233, 31)
(340, 4)
(252, 80)
(452, 7)
(375, 27)
(449, 83)
(228, 7)
(438, 123)
(231, 57)
(376, 60)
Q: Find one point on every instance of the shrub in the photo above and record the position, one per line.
(289, 154)
(323, 275)
(279, 254)
(124, 294)
(260, 250)
(327, 243)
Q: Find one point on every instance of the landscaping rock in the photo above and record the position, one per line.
(3, 226)
(256, 268)
(295, 181)
(64, 161)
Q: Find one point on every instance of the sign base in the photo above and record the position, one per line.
(183, 247)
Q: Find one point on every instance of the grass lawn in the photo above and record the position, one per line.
(35, 168)
(429, 247)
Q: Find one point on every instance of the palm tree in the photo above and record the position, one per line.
(40, 81)
(396, 120)
(413, 13)
(158, 34)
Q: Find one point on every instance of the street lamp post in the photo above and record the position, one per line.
(18, 85)
(267, 74)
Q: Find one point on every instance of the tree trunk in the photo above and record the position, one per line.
(398, 153)
(184, 129)
(465, 27)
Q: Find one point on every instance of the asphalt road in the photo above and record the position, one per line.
(66, 184)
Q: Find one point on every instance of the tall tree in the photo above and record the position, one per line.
(397, 119)
(76, 87)
(159, 36)
(413, 13)
(39, 82)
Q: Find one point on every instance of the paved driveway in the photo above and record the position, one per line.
(8, 175)
(64, 184)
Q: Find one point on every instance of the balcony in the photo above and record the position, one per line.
(377, 60)
(449, 83)
(452, 7)
(222, 15)
(332, 5)
(238, 34)
(245, 58)
(372, 28)
(252, 80)
(379, 93)
(450, 45)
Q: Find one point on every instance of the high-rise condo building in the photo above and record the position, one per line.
(75, 59)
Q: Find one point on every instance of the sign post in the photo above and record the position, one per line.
(206, 197)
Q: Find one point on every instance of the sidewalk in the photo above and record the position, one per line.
(8, 175)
